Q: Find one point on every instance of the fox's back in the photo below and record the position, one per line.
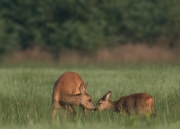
(67, 83)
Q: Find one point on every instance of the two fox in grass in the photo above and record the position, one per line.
(70, 89)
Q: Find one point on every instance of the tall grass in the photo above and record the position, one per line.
(25, 95)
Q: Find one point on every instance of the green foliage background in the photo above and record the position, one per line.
(86, 25)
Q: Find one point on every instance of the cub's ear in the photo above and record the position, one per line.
(107, 96)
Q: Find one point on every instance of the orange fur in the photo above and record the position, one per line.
(139, 103)
(69, 89)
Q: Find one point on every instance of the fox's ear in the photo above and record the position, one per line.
(86, 85)
(107, 96)
(83, 88)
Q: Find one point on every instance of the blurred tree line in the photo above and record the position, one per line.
(86, 25)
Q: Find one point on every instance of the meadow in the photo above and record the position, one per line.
(25, 95)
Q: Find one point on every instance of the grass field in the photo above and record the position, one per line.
(25, 95)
